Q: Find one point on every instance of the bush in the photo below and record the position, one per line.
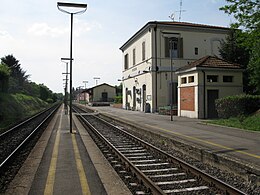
(16, 107)
(237, 106)
(118, 100)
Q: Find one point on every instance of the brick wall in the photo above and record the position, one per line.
(187, 98)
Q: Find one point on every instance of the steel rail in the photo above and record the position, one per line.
(24, 122)
(228, 189)
(213, 181)
(146, 181)
(13, 153)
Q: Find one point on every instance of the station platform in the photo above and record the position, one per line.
(238, 144)
(66, 163)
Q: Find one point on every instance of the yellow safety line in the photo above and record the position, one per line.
(81, 172)
(52, 170)
(204, 141)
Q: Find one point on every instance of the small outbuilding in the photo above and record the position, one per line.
(101, 93)
(203, 81)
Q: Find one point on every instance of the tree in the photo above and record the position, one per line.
(248, 18)
(17, 75)
(45, 93)
(232, 50)
(245, 11)
(4, 77)
(254, 67)
(119, 89)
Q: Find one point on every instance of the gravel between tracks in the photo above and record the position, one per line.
(169, 146)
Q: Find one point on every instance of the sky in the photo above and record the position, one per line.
(37, 34)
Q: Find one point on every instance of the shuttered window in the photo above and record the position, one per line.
(133, 56)
(143, 50)
(126, 62)
(173, 47)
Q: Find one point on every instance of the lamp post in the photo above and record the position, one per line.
(83, 9)
(171, 78)
(85, 82)
(96, 79)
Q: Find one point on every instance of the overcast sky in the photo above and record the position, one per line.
(38, 34)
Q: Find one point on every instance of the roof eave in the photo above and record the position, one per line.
(144, 28)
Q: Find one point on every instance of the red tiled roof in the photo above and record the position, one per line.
(211, 62)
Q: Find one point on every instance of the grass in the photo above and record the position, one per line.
(249, 123)
(16, 107)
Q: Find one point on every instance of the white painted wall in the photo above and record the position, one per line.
(206, 40)
(225, 89)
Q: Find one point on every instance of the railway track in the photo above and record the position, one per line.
(16, 143)
(146, 169)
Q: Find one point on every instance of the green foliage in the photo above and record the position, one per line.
(245, 11)
(119, 89)
(118, 99)
(4, 77)
(18, 75)
(237, 106)
(14, 80)
(233, 50)
(254, 67)
(251, 122)
(248, 18)
(16, 107)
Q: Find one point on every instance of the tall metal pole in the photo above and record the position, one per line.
(83, 9)
(171, 84)
(71, 28)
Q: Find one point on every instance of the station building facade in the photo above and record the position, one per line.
(157, 50)
(100, 93)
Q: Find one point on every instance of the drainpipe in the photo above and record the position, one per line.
(155, 39)
(204, 94)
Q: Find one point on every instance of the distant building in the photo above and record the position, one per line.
(147, 57)
(101, 93)
(203, 81)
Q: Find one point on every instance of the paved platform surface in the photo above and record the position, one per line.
(241, 144)
(63, 163)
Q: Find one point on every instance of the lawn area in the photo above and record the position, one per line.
(248, 123)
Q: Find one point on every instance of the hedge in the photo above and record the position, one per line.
(239, 105)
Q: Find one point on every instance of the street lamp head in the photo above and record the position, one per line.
(83, 6)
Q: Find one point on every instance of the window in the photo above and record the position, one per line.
(126, 61)
(227, 79)
(133, 56)
(212, 78)
(173, 47)
(196, 50)
(183, 80)
(143, 50)
(191, 79)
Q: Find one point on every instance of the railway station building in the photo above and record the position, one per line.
(203, 81)
(101, 93)
(157, 50)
